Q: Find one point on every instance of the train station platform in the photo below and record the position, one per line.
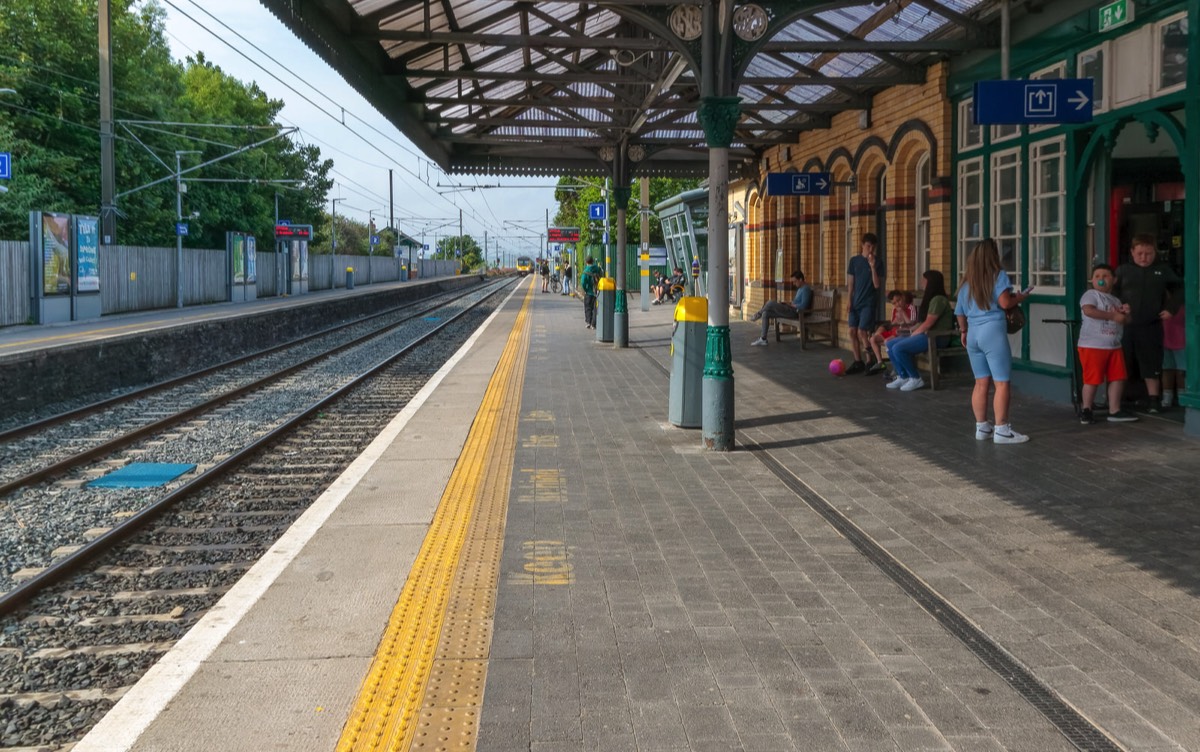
(531, 558)
(93, 359)
(17, 341)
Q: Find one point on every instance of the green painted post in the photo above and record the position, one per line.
(718, 116)
(1190, 161)
(621, 193)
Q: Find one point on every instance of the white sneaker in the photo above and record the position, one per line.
(760, 342)
(984, 431)
(913, 384)
(1009, 436)
(896, 383)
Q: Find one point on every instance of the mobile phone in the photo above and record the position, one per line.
(1027, 290)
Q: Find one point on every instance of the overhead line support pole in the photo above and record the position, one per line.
(108, 172)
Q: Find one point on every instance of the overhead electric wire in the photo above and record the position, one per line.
(469, 209)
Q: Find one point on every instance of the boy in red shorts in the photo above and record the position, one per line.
(1100, 353)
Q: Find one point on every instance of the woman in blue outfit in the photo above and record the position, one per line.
(982, 300)
(935, 313)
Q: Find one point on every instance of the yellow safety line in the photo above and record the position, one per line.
(391, 702)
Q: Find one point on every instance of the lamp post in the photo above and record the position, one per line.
(178, 227)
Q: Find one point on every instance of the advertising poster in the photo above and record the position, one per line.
(251, 260)
(239, 258)
(56, 254)
(87, 249)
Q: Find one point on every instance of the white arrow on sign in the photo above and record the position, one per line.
(1080, 100)
(822, 183)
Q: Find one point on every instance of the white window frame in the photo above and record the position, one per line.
(1102, 94)
(1156, 54)
(1038, 156)
(1002, 133)
(1049, 73)
(970, 169)
(997, 204)
(966, 121)
(923, 218)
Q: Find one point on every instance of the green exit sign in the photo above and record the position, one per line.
(1115, 14)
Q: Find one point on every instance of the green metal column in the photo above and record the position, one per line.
(621, 193)
(1190, 161)
(718, 116)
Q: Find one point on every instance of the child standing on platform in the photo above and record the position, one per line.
(1174, 359)
(1100, 353)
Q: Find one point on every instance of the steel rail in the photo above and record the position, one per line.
(107, 447)
(65, 567)
(94, 407)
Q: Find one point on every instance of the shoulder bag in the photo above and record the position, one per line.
(1015, 318)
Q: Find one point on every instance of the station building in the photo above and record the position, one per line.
(915, 170)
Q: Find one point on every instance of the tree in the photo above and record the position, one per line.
(50, 127)
(460, 246)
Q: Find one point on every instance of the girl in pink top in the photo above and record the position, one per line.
(1174, 358)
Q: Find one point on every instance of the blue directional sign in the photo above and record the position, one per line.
(374, 240)
(1023, 102)
(5, 165)
(799, 183)
(598, 210)
(181, 228)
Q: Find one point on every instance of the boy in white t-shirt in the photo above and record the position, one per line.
(1100, 353)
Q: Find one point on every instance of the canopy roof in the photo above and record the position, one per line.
(504, 87)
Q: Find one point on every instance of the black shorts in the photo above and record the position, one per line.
(1143, 345)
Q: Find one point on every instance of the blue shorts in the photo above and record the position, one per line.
(862, 317)
(989, 351)
(1174, 360)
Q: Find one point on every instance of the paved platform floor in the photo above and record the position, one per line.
(655, 596)
(710, 608)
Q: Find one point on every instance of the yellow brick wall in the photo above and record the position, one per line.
(821, 248)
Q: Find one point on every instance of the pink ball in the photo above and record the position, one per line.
(837, 366)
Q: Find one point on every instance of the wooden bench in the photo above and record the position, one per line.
(816, 324)
(933, 356)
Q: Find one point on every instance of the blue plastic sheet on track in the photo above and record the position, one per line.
(433, 318)
(142, 475)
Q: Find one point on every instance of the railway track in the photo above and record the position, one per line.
(78, 633)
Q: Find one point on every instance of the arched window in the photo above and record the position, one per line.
(924, 225)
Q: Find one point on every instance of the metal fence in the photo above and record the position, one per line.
(14, 282)
(135, 278)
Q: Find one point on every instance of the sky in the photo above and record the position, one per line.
(425, 198)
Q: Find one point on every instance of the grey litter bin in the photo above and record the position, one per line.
(349, 277)
(606, 301)
(403, 273)
(685, 406)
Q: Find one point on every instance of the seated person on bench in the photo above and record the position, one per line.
(935, 314)
(904, 317)
(661, 287)
(801, 301)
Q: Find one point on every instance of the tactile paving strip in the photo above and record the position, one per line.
(442, 622)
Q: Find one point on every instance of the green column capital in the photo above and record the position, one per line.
(621, 196)
(719, 117)
(619, 303)
(718, 358)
